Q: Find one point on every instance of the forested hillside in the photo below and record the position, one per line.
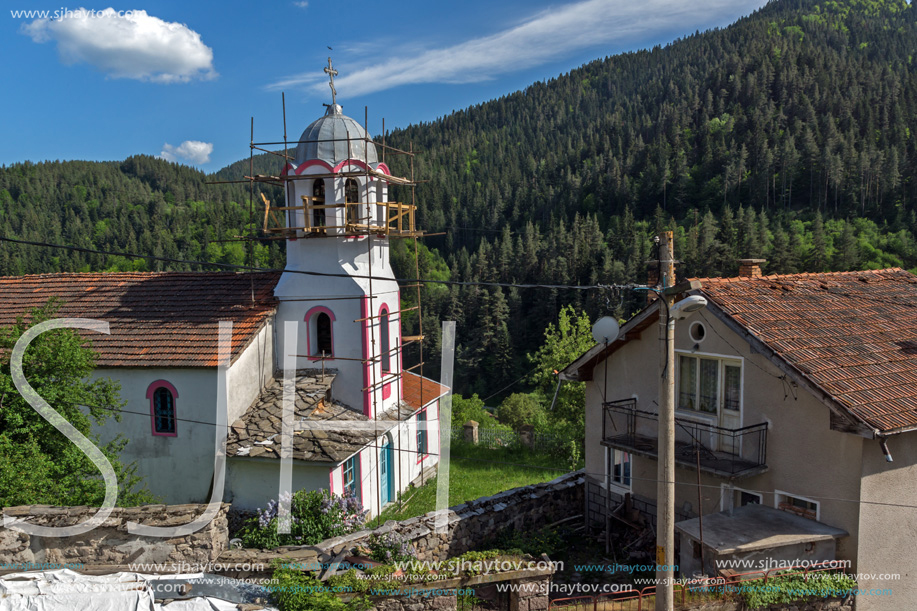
(787, 136)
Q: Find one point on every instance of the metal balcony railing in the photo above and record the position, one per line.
(722, 451)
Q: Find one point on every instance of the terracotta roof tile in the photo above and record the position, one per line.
(163, 319)
(413, 384)
(854, 334)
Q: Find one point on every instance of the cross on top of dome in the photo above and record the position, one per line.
(331, 72)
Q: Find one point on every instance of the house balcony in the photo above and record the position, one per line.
(730, 453)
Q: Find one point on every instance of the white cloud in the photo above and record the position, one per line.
(128, 44)
(301, 4)
(192, 151)
(546, 36)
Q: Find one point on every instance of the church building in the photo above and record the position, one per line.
(363, 424)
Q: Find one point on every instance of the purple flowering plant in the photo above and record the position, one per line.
(315, 515)
(390, 547)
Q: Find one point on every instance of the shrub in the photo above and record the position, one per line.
(520, 408)
(793, 587)
(390, 547)
(316, 515)
(293, 590)
(471, 408)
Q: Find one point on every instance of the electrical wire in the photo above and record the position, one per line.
(553, 469)
(250, 268)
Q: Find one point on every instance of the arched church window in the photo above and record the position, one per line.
(323, 335)
(386, 357)
(352, 196)
(162, 397)
(318, 199)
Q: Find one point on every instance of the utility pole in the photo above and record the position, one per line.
(665, 473)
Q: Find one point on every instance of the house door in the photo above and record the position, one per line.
(730, 408)
(386, 475)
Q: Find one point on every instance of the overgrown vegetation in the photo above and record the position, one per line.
(315, 515)
(475, 472)
(38, 464)
(791, 588)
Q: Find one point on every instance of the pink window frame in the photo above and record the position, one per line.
(386, 388)
(382, 349)
(308, 320)
(151, 389)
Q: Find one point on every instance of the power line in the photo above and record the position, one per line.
(250, 268)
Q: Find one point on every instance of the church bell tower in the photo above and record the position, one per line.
(338, 220)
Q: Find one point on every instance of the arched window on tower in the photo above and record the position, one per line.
(352, 196)
(320, 333)
(318, 199)
(323, 335)
(386, 344)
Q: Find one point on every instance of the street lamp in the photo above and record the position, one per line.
(665, 486)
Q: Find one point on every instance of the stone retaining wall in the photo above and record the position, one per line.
(110, 544)
(469, 526)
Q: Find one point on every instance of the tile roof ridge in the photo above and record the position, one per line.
(718, 279)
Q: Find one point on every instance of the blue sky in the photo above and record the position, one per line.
(182, 79)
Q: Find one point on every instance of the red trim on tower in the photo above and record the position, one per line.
(364, 307)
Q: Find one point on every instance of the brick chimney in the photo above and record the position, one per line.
(750, 268)
(652, 279)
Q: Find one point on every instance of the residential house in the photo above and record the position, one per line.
(794, 392)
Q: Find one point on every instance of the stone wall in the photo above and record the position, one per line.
(469, 526)
(110, 545)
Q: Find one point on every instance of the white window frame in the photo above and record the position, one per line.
(609, 469)
(781, 495)
(727, 489)
(723, 360)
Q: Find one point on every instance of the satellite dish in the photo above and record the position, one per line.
(605, 330)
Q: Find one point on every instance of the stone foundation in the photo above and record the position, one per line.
(110, 545)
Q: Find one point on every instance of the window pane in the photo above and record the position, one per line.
(732, 381)
(421, 433)
(687, 386)
(163, 411)
(323, 334)
(620, 473)
(709, 382)
(386, 356)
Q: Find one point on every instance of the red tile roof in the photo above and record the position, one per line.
(413, 383)
(163, 319)
(854, 334)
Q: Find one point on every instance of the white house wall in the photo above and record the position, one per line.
(888, 524)
(177, 469)
(252, 482)
(250, 372)
(406, 468)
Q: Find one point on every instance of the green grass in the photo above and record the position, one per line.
(475, 472)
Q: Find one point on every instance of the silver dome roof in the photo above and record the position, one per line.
(326, 139)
